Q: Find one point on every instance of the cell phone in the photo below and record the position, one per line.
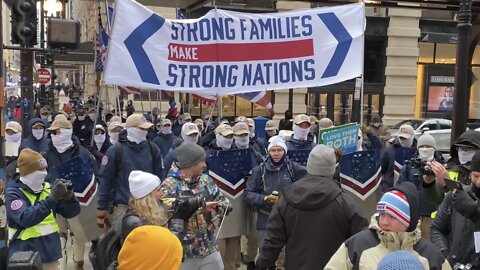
(452, 184)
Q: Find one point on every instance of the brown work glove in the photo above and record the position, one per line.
(101, 214)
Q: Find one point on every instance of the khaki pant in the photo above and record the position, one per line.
(425, 224)
(78, 247)
(230, 252)
(50, 266)
(250, 246)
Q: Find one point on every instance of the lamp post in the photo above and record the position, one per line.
(461, 96)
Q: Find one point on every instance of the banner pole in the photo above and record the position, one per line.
(150, 103)
(363, 73)
(159, 104)
(141, 101)
(118, 109)
(108, 99)
(220, 111)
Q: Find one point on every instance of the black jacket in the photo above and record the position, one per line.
(452, 233)
(312, 219)
(165, 142)
(83, 130)
(388, 163)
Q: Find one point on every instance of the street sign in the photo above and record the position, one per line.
(44, 76)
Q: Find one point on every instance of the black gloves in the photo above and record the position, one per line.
(185, 208)
(466, 204)
(59, 190)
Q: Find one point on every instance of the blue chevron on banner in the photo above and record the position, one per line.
(299, 156)
(79, 171)
(228, 169)
(360, 172)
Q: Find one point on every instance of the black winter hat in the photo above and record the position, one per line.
(475, 163)
(411, 192)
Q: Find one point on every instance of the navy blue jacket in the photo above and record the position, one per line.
(267, 178)
(28, 216)
(54, 158)
(31, 142)
(113, 178)
(165, 142)
(388, 163)
(294, 144)
(83, 130)
(98, 154)
(169, 159)
(259, 145)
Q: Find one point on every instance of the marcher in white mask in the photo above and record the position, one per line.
(32, 206)
(301, 129)
(13, 138)
(405, 139)
(99, 138)
(63, 149)
(241, 131)
(199, 123)
(190, 133)
(165, 139)
(114, 129)
(37, 140)
(224, 136)
(137, 128)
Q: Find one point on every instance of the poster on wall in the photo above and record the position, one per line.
(440, 98)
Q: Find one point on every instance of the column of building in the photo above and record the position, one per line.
(282, 96)
(401, 70)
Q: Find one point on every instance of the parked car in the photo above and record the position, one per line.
(440, 129)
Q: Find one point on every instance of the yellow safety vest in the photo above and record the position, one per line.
(47, 226)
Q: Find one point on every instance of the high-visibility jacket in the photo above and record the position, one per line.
(45, 227)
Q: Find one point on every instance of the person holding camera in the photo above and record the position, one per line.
(186, 178)
(457, 168)
(32, 204)
(457, 220)
(415, 170)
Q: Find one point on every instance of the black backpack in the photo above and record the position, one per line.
(105, 252)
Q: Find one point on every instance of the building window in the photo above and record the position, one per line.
(426, 52)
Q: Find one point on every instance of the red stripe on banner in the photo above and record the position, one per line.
(237, 52)
(89, 194)
(359, 189)
(129, 90)
(206, 100)
(228, 189)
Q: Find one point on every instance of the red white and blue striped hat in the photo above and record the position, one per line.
(395, 203)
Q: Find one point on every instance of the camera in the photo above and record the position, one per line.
(193, 202)
(421, 165)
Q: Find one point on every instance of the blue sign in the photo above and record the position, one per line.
(343, 137)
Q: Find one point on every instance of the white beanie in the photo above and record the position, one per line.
(142, 183)
(321, 161)
(277, 141)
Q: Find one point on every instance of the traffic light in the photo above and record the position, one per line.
(24, 22)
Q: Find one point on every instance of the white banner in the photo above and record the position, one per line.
(228, 52)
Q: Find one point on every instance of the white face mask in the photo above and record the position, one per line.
(406, 143)
(242, 142)
(136, 135)
(81, 118)
(63, 141)
(114, 137)
(16, 137)
(359, 144)
(252, 132)
(38, 133)
(166, 130)
(271, 133)
(224, 143)
(465, 156)
(300, 133)
(426, 153)
(34, 180)
(189, 139)
(92, 116)
(45, 117)
(99, 139)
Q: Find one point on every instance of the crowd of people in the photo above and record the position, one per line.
(154, 196)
